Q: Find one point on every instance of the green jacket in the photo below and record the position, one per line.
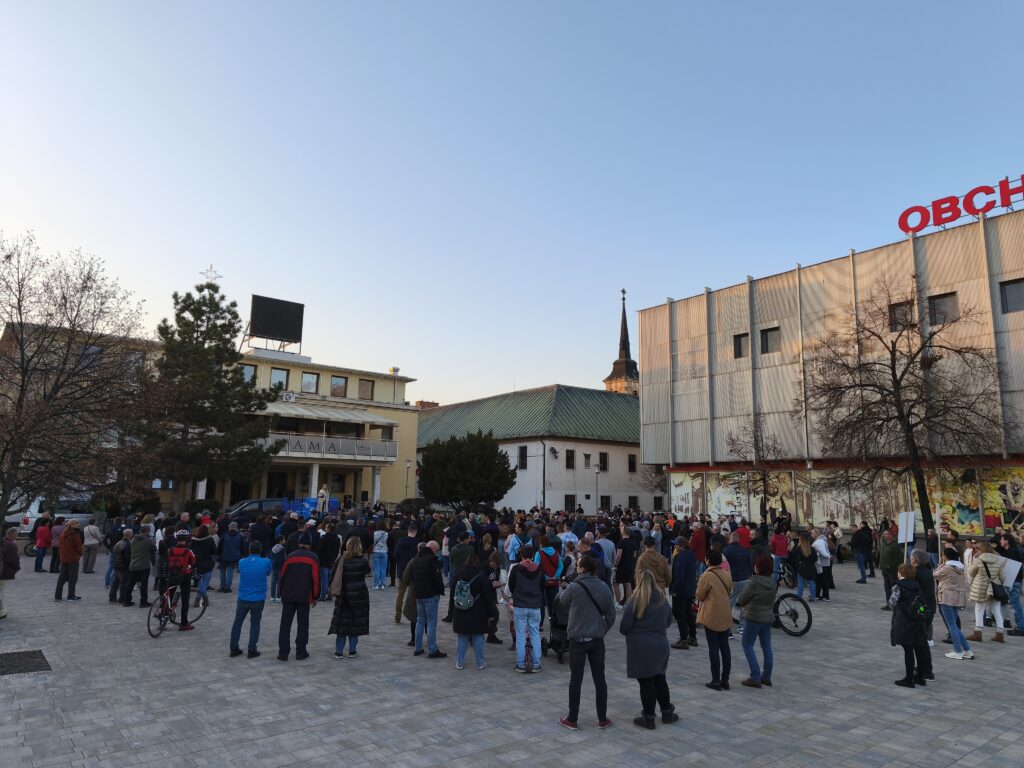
(889, 555)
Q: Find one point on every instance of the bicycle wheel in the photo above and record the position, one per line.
(29, 550)
(157, 618)
(788, 575)
(793, 615)
(172, 598)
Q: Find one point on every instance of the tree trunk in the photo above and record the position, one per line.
(922, 498)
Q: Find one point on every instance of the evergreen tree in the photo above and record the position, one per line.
(463, 472)
(204, 417)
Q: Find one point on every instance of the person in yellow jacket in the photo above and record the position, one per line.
(652, 560)
(715, 614)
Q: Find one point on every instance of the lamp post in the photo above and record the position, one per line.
(408, 466)
(597, 499)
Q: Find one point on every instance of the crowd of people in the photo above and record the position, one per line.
(576, 573)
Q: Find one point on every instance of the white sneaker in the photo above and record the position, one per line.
(968, 655)
(955, 655)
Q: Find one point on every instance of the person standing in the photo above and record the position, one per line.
(985, 570)
(525, 585)
(779, 547)
(907, 628)
(405, 551)
(121, 558)
(472, 623)
(427, 583)
(380, 557)
(56, 532)
(91, 546)
(860, 544)
(625, 566)
(890, 555)
(44, 540)
(652, 560)
(683, 588)
(252, 597)
(229, 552)
(645, 622)
(70, 548)
(10, 564)
(952, 596)
(740, 566)
(458, 554)
(805, 563)
(143, 556)
(351, 617)
(591, 610)
(715, 614)
(1010, 549)
(204, 548)
(824, 580)
(926, 581)
(757, 602)
(300, 588)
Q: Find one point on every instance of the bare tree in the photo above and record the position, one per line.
(762, 449)
(653, 479)
(892, 390)
(69, 366)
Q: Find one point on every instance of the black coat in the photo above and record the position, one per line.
(485, 607)
(330, 548)
(926, 581)
(405, 550)
(425, 575)
(261, 532)
(352, 606)
(904, 629)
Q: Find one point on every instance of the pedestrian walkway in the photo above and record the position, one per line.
(116, 697)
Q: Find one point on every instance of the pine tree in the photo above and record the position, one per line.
(204, 419)
(463, 472)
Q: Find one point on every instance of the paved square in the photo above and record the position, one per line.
(116, 697)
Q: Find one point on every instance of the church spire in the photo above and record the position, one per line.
(625, 376)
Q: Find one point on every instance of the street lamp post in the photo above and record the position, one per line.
(408, 466)
(597, 499)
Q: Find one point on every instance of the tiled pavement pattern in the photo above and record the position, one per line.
(116, 697)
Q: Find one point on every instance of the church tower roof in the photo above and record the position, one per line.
(625, 376)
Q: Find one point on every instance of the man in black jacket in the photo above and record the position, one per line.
(861, 544)
(428, 586)
(300, 588)
(405, 551)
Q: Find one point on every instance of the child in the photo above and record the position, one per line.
(277, 556)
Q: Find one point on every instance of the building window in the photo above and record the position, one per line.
(248, 373)
(771, 340)
(162, 485)
(279, 377)
(632, 462)
(606, 503)
(586, 461)
(602, 461)
(387, 433)
(943, 308)
(633, 502)
(339, 386)
(1012, 294)
(901, 316)
(659, 503)
(311, 383)
(366, 389)
(522, 457)
(740, 345)
(570, 458)
(570, 502)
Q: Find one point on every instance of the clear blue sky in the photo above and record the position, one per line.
(461, 188)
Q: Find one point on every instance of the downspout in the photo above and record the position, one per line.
(543, 475)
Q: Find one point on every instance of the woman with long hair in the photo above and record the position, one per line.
(351, 617)
(805, 563)
(645, 620)
(985, 570)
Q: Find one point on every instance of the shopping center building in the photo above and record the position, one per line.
(719, 361)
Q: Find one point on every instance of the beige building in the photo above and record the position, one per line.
(349, 429)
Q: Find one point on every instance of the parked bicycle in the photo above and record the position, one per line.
(792, 614)
(167, 609)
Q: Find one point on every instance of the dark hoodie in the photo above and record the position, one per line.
(758, 599)
(525, 583)
(905, 630)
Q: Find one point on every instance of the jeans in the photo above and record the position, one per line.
(254, 610)
(753, 631)
(777, 567)
(275, 582)
(801, 582)
(426, 618)
(737, 588)
(527, 620)
(579, 654)
(380, 569)
(934, 557)
(69, 576)
(1018, 612)
(719, 654)
(462, 646)
(446, 566)
(862, 565)
(325, 582)
(949, 615)
(654, 689)
(290, 611)
(339, 644)
(227, 575)
(203, 582)
(41, 558)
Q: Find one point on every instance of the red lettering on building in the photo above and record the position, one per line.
(924, 217)
(946, 210)
(970, 205)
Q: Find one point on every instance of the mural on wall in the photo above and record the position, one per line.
(953, 496)
(886, 499)
(727, 495)
(1003, 497)
(688, 494)
(771, 495)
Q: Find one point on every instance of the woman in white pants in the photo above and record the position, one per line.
(986, 569)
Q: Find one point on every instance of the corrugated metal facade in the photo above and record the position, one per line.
(682, 422)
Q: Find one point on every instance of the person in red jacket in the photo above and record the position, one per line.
(70, 546)
(300, 588)
(44, 540)
(699, 545)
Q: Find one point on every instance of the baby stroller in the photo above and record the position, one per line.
(558, 636)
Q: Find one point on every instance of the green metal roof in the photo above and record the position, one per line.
(552, 411)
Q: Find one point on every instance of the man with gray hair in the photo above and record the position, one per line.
(926, 581)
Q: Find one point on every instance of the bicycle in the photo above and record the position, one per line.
(165, 609)
(792, 614)
(787, 574)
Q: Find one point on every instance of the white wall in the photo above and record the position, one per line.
(617, 482)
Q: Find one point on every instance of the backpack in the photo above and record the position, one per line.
(916, 610)
(463, 597)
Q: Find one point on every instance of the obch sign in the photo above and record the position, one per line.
(946, 210)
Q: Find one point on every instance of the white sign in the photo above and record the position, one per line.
(906, 524)
(1010, 570)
